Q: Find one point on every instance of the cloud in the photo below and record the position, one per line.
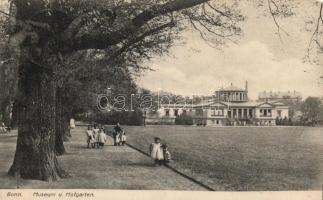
(267, 62)
(202, 73)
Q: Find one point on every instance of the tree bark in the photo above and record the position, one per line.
(35, 156)
(60, 127)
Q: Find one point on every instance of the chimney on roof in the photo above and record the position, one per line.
(246, 85)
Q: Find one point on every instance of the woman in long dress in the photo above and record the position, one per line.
(89, 135)
(72, 123)
(95, 137)
(123, 138)
(101, 138)
(156, 152)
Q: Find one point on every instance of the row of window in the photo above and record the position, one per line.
(215, 121)
(175, 112)
(265, 112)
(198, 112)
(234, 112)
(234, 96)
(238, 112)
(216, 112)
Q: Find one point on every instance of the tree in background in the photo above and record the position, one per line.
(183, 119)
(311, 109)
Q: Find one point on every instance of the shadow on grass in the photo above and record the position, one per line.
(85, 147)
(146, 164)
(79, 147)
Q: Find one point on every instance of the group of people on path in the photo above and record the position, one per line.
(96, 138)
(119, 136)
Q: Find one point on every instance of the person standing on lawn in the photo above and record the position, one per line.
(102, 138)
(156, 152)
(89, 135)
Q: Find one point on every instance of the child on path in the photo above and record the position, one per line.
(166, 153)
(95, 137)
(117, 130)
(89, 135)
(3, 127)
(123, 137)
(156, 152)
(118, 139)
(102, 138)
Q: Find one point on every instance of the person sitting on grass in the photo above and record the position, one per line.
(156, 152)
(102, 138)
(166, 154)
(123, 137)
(89, 135)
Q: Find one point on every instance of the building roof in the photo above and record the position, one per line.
(279, 95)
(225, 104)
(243, 104)
(232, 88)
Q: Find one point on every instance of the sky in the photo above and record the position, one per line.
(260, 56)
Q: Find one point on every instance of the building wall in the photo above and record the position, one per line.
(284, 112)
(210, 116)
(215, 122)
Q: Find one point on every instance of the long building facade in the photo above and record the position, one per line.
(228, 107)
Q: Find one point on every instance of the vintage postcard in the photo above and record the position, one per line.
(161, 99)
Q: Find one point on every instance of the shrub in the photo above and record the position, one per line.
(123, 117)
(184, 119)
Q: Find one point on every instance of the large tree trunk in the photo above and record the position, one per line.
(35, 156)
(60, 125)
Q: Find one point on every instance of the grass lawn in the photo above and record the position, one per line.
(242, 158)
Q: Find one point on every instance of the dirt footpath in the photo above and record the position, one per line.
(108, 168)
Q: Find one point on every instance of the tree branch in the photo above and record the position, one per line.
(274, 17)
(97, 40)
(315, 35)
(139, 38)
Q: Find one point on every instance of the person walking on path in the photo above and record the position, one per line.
(156, 152)
(102, 138)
